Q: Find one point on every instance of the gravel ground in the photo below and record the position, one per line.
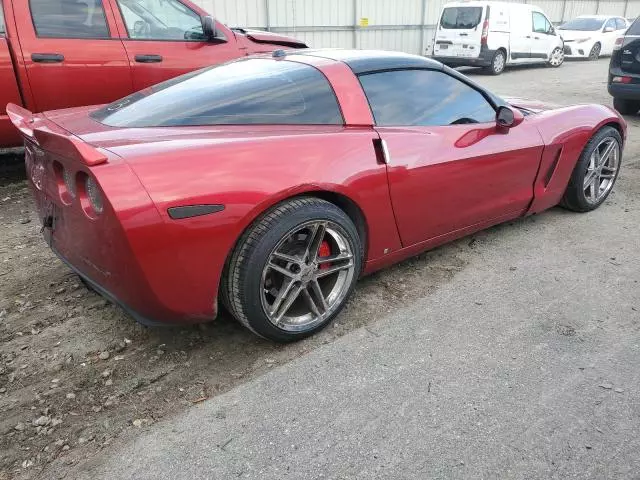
(77, 374)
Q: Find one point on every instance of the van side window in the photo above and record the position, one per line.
(540, 23)
(160, 20)
(69, 18)
(423, 98)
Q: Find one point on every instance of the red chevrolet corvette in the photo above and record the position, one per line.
(272, 183)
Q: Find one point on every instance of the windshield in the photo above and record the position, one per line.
(583, 24)
(461, 17)
(254, 91)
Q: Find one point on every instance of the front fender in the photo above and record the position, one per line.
(565, 132)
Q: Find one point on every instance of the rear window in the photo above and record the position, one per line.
(255, 91)
(461, 17)
(634, 29)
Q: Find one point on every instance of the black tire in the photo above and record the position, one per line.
(574, 197)
(594, 54)
(626, 106)
(242, 280)
(498, 63)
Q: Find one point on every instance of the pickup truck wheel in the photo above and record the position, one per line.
(595, 172)
(625, 106)
(293, 270)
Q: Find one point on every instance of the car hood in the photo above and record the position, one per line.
(260, 36)
(533, 106)
(568, 35)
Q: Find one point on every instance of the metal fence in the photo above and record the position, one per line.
(405, 25)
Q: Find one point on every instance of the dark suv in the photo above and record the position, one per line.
(624, 71)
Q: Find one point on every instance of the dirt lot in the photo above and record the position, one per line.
(76, 373)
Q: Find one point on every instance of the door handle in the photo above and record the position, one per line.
(464, 34)
(528, 36)
(148, 58)
(47, 57)
(537, 38)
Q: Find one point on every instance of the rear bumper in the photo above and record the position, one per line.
(482, 60)
(119, 252)
(620, 90)
(137, 316)
(629, 91)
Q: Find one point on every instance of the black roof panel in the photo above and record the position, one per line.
(363, 61)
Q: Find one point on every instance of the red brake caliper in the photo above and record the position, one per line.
(324, 251)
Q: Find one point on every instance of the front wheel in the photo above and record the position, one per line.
(594, 54)
(595, 173)
(557, 57)
(293, 270)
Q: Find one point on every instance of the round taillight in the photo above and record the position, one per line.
(94, 195)
(69, 182)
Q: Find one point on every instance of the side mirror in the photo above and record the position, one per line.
(608, 29)
(209, 28)
(508, 117)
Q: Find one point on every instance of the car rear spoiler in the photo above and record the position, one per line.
(53, 139)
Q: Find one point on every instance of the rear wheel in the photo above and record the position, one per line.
(557, 57)
(498, 63)
(595, 173)
(626, 106)
(293, 270)
(595, 52)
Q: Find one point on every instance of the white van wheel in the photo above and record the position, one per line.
(498, 63)
(557, 57)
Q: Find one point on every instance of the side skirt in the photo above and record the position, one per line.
(407, 252)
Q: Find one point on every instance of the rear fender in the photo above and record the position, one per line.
(234, 173)
(565, 133)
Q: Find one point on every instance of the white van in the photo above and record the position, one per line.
(495, 34)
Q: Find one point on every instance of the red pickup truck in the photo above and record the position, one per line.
(66, 53)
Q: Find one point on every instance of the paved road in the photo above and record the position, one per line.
(523, 365)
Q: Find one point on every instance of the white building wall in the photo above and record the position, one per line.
(406, 25)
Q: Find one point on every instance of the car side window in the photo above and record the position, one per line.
(2, 28)
(161, 20)
(423, 98)
(540, 23)
(620, 24)
(611, 23)
(69, 18)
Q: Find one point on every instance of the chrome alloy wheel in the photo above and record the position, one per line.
(602, 169)
(307, 276)
(557, 57)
